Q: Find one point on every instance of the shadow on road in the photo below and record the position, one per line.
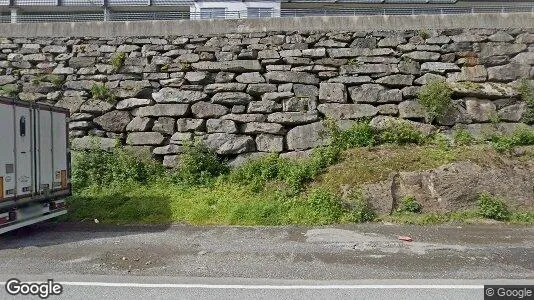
(55, 233)
(153, 209)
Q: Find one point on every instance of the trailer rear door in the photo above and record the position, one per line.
(23, 150)
(7, 152)
(59, 150)
(44, 150)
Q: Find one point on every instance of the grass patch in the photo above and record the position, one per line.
(526, 91)
(520, 137)
(360, 165)
(119, 187)
(102, 92)
(221, 203)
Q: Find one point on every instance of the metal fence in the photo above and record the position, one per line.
(109, 15)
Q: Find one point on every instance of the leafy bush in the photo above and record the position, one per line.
(117, 60)
(359, 210)
(360, 134)
(409, 204)
(521, 137)
(294, 173)
(198, 164)
(101, 168)
(9, 90)
(492, 208)
(435, 98)
(326, 207)
(102, 92)
(401, 133)
(423, 33)
(527, 94)
(462, 137)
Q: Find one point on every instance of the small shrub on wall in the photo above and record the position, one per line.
(435, 98)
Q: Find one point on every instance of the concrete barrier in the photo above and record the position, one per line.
(187, 27)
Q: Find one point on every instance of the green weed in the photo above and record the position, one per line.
(492, 208)
(102, 92)
(117, 60)
(435, 98)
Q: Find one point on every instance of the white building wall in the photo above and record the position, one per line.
(234, 9)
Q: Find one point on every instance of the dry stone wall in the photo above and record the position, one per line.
(250, 93)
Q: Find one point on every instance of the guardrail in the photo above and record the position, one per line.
(109, 15)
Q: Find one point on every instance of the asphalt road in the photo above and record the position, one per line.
(186, 262)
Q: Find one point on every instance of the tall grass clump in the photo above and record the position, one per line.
(198, 165)
(492, 208)
(526, 90)
(117, 167)
(435, 98)
(523, 136)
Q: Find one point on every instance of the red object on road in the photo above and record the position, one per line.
(405, 238)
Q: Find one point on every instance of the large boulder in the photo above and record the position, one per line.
(114, 121)
(439, 67)
(345, 111)
(422, 56)
(96, 107)
(306, 136)
(92, 143)
(164, 125)
(292, 118)
(497, 49)
(454, 187)
(131, 103)
(139, 124)
(476, 73)
(291, 77)
(374, 93)
(226, 144)
(396, 80)
(480, 110)
(133, 89)
(487, 90)
(253, 77)
(514, 112)
(145, 138)
(231, 98)
(270, 143)
(230, 66)
(187, 124)
(509, 72)
(332, 92)
(205, 110)
(411, 110)
(163, 110)
(261, 127)
(221, 126)
(224, 87)
(170, 95)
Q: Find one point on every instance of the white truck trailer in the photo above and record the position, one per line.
(34, 163)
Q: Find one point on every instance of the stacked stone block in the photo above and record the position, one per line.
(264, 92)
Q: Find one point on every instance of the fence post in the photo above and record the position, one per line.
(14, 15)
(106, 14)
